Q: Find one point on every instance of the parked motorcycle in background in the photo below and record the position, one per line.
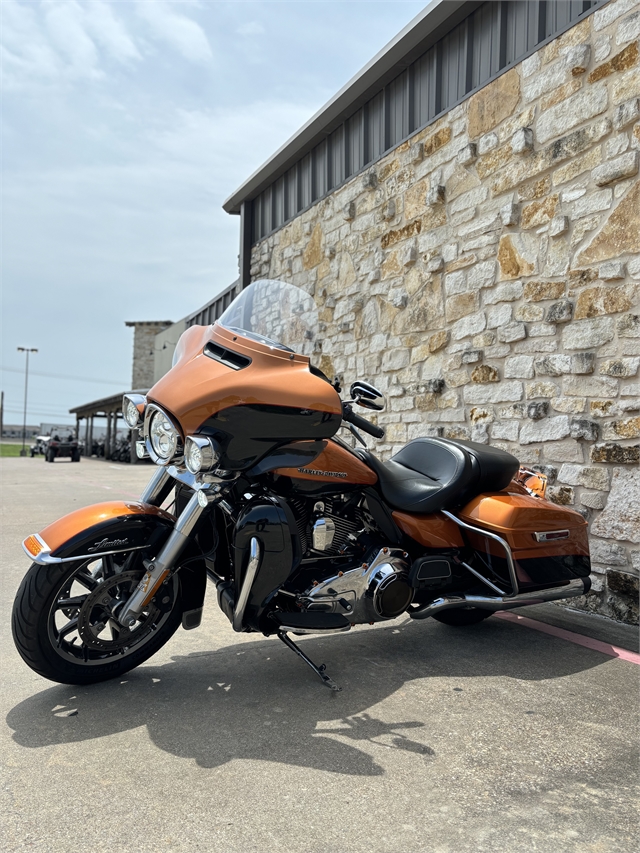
(300, 532)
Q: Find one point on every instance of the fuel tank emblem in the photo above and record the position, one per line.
(106, 543)
(338, 474)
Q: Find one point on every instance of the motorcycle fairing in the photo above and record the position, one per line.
(198, 388)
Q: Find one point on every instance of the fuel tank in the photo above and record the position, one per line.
(335, 465)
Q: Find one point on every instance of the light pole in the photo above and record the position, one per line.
(23, 452)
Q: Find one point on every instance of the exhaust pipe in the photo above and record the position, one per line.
(578, 586)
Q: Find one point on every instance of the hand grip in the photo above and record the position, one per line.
(361, 423)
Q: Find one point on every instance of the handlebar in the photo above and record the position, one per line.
(360, 423)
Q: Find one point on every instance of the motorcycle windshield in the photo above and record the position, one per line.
(276, 314)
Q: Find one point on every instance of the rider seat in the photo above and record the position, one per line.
(431, 474)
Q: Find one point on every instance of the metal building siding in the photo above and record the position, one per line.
(491, 38)
(210, 312)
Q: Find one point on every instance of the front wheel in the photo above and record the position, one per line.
(64, 618)
(462, 616)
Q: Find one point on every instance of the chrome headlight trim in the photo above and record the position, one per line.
(175, 451)
(201, 453)
(133, 409)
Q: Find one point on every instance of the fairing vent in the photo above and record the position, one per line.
(226, 356)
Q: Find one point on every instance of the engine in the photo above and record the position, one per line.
(330, 526)
(371, 592)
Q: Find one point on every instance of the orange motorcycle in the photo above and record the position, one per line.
(300, 532)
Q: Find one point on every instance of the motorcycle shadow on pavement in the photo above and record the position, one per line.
(256, 700)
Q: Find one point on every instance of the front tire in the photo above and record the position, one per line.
(63, 623)
(462, 616)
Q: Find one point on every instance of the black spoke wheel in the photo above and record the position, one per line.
(459, 617)
(65, 623)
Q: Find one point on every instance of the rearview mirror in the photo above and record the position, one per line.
(367, 396)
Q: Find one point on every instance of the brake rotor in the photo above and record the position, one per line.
(96, 615)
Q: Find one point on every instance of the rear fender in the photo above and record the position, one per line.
(113, 527)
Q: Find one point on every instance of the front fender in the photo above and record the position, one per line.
(112, 527)
(104, 528)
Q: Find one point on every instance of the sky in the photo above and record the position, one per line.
(125, 125)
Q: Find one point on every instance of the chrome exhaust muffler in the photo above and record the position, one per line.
(578, 586)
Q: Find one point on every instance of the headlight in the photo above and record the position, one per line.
(133, 406)
(162, 437)
(200, 454)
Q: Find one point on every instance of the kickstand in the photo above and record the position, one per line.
(319, 670)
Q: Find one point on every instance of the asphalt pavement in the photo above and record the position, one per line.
(494, 737)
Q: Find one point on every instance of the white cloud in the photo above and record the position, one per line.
(110, 32)
(251, 28)
(176, 30)
(64, 23)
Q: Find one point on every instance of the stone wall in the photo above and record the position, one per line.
(144, 344)
(486, 274)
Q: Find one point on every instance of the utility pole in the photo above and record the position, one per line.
(1, 414)
(23, 452)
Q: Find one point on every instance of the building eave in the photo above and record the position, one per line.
(426, 28)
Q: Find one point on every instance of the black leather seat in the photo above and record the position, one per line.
(430, 474)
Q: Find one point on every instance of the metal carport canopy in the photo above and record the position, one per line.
(425, 29)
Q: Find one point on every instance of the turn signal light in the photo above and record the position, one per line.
(32, 545)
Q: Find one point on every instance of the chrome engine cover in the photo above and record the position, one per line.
(372, 592)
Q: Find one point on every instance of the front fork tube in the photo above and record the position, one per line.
(159, 570)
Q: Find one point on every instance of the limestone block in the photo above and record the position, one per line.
(615, 454)
(389, 210)
(558, 225)
(569, 405)
(507, 430)
(435, 264)
(562, 495)
(409, 256)
(583, 428)
(552, 365)
(628, 28)
(487, 143)
(610, 12)
(535, 291)
(485, 373)
(500, 392)
(577, 59)
(621, 367)
(583, 363)
(542, 389)
(416, 152)
(612, 270)
(482, 274)
(547, 429)
(469, 326)
(625, 166)
(438, 341)
(461, 305)
(621, 517)
(510, 214)
(436, 195)
(349, 211)
(480, 434)
(566, 450)
(518, 255)
(626, 428)
(519, 367)
(493, 103)
(590, 477)
(627, 58)
(538, 410)
(628, 326)
(593, 500)
(590, 386)
(597, 301)
(467, 155)
(558, 120)
(512, 332)
(395, 359)
(370, 180)
(471, 356)
(499, 315)
(593, 202)
(584, 334)
(626, 113)
(529, 313)
(522, 140)
(560, 312)
(620, 235)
